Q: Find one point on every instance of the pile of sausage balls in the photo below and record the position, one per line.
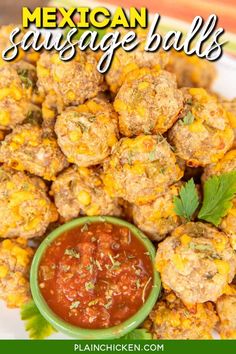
(75, 142)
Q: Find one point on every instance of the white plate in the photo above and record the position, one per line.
(11, 326)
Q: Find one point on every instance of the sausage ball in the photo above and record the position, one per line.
(30, 148)
(226, 309)
(140, 169)
(203, 134)
(87, 133)
(158, 218)
(170, 319)
(191, 71)
(148, 102)
(73, 81)
(196, 262)
(17, 81)
(15, 261)
(230, 107)
(226, 164)
(80, 191)
(25, 208)
(125, 62)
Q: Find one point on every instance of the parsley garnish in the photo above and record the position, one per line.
(187, 202)
(85, 227)
(188, 119)
(152, 155)
(108, 305)
(82, 126)
(200, 247)
(115, 264)
(89, 268)
(34, 118)
(218, 194)
(35, 323)
(98, 265)
(137, 283)
(72, 253)
(74, 305)
(139, 333)
(24, 77)
(89, 286)
(93, 302)
(65, 267)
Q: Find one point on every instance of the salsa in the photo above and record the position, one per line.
(96, 276)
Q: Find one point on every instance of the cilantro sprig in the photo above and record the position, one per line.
(139, 333)
(186, 204)
(218, 194)
(35, 323)
(188, 119)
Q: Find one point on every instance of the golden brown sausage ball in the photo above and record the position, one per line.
(30, 148)
(196, 262)
(72, 82)
(158, 218)
(17, 82)
(148, 102)
(87, 133)
(170, 319)
(230, 107)
(226, 164)
(191, 71)
(25, 209)
(15, 261)
(203, 134)
(80, 191)
(140, 169)
(226, 309)
(125, 62)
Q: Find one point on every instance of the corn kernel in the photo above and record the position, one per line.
(4, 118)
(93, 210)
(42, 71)
(84, 197)
(3, 271)
(222, 266)
(75, 135)
(185, 239)
(70, 95)
(143, 85)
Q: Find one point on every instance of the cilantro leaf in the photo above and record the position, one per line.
(188, 119)
(24, 76)
(35, 323)
(139, 333)
(218, 194)
(187, 202)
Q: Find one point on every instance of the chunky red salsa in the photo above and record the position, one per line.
(96, 276)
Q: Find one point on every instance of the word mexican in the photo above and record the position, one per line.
(100, 17)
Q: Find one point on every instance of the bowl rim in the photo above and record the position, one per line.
(84, 333)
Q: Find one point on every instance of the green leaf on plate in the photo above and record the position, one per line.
(35, 324)
(139, 333)
(186, 204)
(218, 194)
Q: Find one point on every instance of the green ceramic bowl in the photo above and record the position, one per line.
(82, 333)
